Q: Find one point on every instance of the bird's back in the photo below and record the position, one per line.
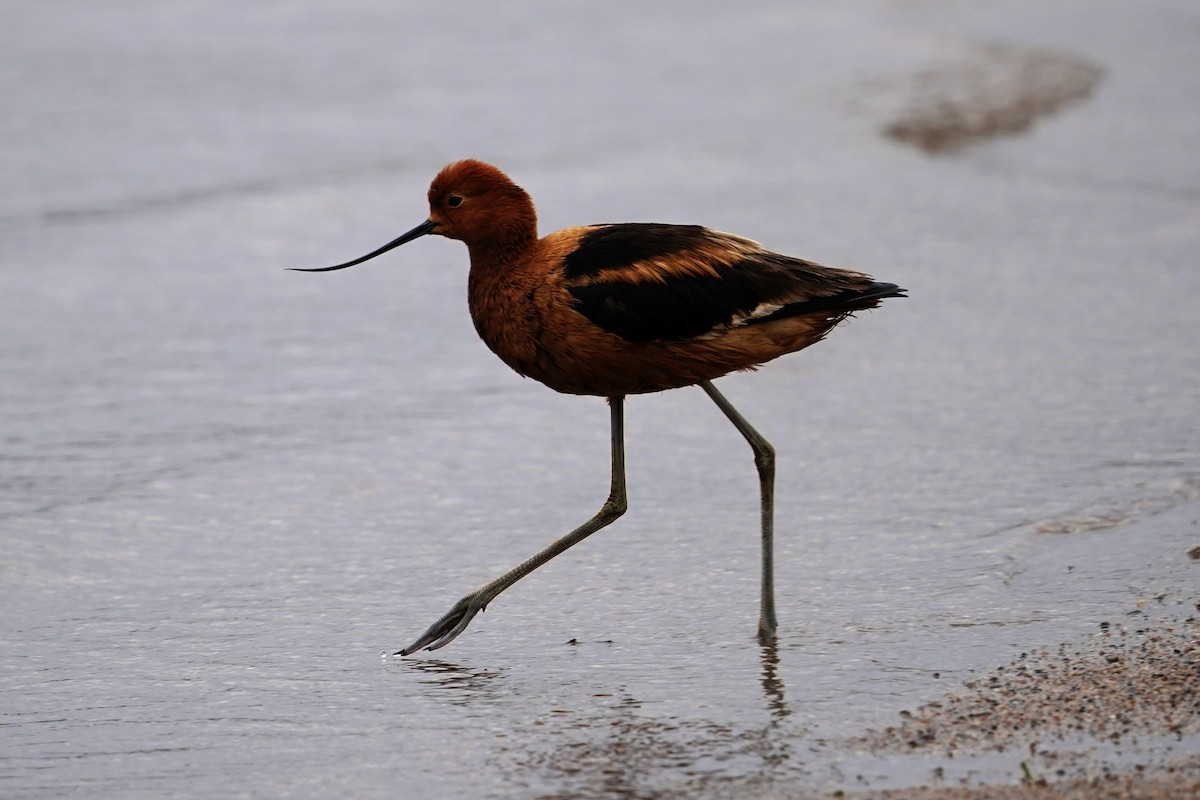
(641, 307)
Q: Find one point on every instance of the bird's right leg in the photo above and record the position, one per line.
(446, 629)
(764, 461)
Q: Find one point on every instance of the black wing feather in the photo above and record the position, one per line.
(614, 246)
(677, 308)
(612, 275)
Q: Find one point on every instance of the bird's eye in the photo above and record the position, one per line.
(454, 200)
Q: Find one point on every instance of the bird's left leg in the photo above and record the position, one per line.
(764, 460)
(446, 629)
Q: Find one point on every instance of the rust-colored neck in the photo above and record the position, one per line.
(506, 236)
(500, 253)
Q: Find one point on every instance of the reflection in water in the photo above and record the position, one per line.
(463, 685)
(772, 684)
(774, 748)
(616, 750)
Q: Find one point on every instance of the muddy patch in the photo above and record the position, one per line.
(992, 91)
(1151, 500)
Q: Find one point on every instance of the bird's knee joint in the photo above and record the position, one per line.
(614, 507)
(764, 457)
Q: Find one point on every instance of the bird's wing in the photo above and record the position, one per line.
(646, 281)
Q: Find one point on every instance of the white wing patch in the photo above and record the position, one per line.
(758, 312)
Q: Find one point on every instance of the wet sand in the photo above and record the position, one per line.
(988, 92)
(1076, 719)
(1177, 781)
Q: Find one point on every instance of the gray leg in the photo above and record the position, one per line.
(764, 460)
(446, 629)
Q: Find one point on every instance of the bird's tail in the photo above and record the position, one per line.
(871, 296)
(844, 302)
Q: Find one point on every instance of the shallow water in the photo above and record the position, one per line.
(225, 489)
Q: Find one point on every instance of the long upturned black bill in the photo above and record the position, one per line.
(425, 227)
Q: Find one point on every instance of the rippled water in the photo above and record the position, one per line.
(225, 489)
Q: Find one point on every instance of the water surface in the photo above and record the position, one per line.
(225, 488)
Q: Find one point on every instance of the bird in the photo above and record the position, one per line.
(619, 309)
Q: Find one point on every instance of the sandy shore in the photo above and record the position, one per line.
(1116, 716)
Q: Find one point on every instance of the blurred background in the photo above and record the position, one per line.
(225, 488)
